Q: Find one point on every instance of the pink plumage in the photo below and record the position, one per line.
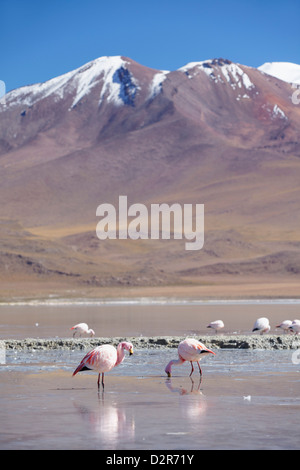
(104, 358)
(262, 325)
(82, 329)
(295, 327)
(189, 350)
(216, 325)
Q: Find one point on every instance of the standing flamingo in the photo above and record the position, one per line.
(189, 350)
(216, 325)
(104, 358)
(82, 329)
(285, 325)
(262, 325)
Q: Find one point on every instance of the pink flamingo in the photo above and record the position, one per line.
(262, 325)
(104, 358)
(189, 350)
(216, 325)
(285, 325)
(82, 329)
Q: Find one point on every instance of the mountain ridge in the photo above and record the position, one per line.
(211, 132)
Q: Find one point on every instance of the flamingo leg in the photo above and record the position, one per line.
(199, 369)
(192, 369)
(102, 381)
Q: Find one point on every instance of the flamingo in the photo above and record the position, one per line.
(104, 358)
(189, 350)
(262, 325)
(295, 326)
(82, 329)
(216, 325)
(285, 325)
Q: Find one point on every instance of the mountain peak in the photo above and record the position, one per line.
(118, 85)
(285, 71)
(220, 71)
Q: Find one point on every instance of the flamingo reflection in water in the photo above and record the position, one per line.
(108, 423)
(192, 406)
(183, 390)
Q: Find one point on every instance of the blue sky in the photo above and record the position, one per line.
(43, 39)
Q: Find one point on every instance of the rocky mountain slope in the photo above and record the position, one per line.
(212, 132)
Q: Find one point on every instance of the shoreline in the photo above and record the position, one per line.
(224, 289)
(146, 300)
(275, 342)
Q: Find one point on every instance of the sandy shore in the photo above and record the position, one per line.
(249, 288)
(286, 341)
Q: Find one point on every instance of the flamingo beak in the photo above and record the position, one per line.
(130, 352)
(207, 351)
(169, 374)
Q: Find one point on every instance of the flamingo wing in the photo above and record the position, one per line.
(190, 349)
(101, 359)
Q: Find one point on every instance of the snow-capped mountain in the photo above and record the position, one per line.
(112, 101)
(286, 71)
(117, 84)
(89, 100)
(212, 132)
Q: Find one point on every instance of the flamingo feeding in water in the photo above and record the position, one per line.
(104, 358)
(285, 325)
(189, 350)
(82, 329)
(216, 325)
(262, 325)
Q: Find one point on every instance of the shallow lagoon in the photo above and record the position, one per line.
(246, 400)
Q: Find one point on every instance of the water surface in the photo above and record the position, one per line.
(246, 400)
(134, 318)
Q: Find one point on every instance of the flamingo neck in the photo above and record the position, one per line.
(174, 362)
(120, 354)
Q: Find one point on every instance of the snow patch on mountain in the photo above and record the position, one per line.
(277, 112)
(286, 71)
(231, 73)
(118, 85)
(29, 94)
(274, 112)
(156, 83)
